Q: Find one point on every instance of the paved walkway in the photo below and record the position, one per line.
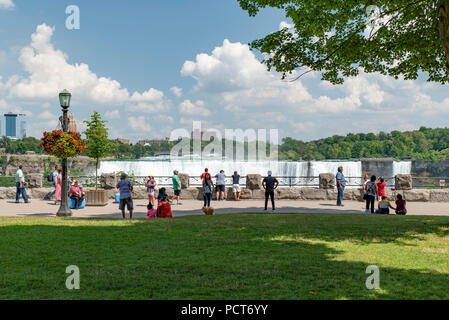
(48, 209)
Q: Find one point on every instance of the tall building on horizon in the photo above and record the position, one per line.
(15, 126)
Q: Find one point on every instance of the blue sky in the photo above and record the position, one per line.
(153, 66)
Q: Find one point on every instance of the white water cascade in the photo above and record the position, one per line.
(307, 170)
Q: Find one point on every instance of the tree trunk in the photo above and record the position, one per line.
(96, 175)
(443, 7)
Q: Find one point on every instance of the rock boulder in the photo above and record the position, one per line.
(108, 181)
(253, 182)
(327, 181)
(403, 182)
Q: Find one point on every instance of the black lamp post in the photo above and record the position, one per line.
(64, 210)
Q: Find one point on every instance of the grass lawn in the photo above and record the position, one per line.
(226, 257)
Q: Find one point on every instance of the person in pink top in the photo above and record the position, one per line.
(381, 185)
(75, 194)
(58, 187)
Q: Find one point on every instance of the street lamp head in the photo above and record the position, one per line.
(64, 99)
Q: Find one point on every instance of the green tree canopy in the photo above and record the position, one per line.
(340, 37)
(98, 145)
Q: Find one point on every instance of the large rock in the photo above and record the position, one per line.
(439, 195)
(40, 193)
(184, 177)
(108, 181)
(417, 195)
(254, 182)
(258, 194)
(288, 193)
(313, 194)
(8, 193)
(35, 180)
(190, 194)
(327, 181)
(139, 193)
(403, 182)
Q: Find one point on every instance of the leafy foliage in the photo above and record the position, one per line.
(62, 145)
(340, 37)
(424, 144)
(98, 144)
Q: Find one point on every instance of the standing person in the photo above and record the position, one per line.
(341, 185)
(381, 188)
(206, 171)
(401, 205)
(207, 190)
(75, 194)
(220, 185)
(58, 191)
(236, 186)
(20, 186)
(371, 191)
(54, 179)
(125, 188)
(270, 184)
(176, 187)
(151, 185)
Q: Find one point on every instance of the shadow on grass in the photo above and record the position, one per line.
(222, 257)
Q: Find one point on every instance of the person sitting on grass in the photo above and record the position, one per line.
(164, 208)
(401, 205)
(384, 206)
(162, 194)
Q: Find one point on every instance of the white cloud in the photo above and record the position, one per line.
(114, 114)
(3, 57)
(198, 108)
(139, 124)
(47, 115)
(6, 4)
(50, 72)
(176, 91)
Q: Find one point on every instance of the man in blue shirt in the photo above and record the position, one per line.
(20, 186)
(270, 184)
(341, 185)
(126, 189)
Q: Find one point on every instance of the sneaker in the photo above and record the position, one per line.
(366, 211)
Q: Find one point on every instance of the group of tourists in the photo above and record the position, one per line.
(374, 188)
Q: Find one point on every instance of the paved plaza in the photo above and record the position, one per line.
(192, 207)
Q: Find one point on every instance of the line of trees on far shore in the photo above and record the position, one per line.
(423, 144)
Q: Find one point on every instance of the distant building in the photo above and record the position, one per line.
(148, 142)
(124, 141)
(15, 126)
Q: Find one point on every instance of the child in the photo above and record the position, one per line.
(384, 206)
(151, 212)
(164, 208)
(381, 188)
(401, 205)
(162, 194)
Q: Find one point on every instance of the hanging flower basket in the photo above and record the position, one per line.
(63, 145)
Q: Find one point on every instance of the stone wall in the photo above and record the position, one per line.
(305, 194)
(38, 164)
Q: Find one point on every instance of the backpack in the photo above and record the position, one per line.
(371, 189)
(50, 177)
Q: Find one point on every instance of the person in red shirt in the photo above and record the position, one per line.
(381, 188)
(401, 205)
(206, 171)
(164, 208)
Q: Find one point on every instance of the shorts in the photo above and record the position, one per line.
(177, 193)
(151, 193)
(221, 188)
(236, 188)
(128, 202)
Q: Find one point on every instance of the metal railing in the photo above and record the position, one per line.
(284, 181)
